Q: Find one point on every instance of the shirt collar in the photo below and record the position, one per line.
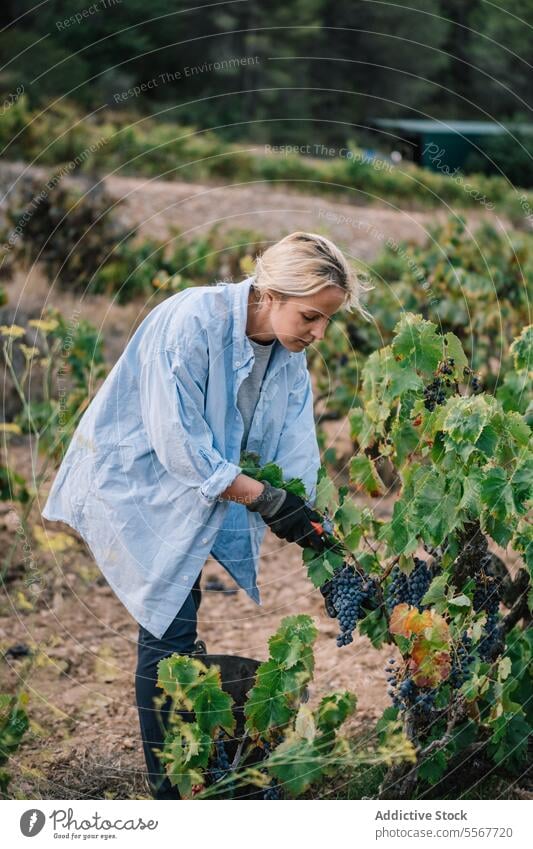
(242, 349)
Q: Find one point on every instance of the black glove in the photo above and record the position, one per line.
(292, 521)
(326, 589)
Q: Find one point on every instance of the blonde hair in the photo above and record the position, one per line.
(304, 263)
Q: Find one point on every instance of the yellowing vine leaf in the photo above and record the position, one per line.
(428, 668)
(406, 620)
(430, 658)
(305, 723)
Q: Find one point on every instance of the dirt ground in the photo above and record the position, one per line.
(84, 738)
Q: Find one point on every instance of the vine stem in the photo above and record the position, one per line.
(435, 745)
(388, 569)
(238, 753)
(371, 547)
(518, 611)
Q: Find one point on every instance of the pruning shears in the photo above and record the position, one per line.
(324, 530)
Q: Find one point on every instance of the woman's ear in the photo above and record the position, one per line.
(268, 299)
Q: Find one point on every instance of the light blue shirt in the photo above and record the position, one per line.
(161, 440)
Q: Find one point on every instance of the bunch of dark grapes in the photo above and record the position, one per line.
(405, 694)
(434, 394)
(487, 598)
(424, 701)
(418, 582)
(346, 595)
(398, 589)
(273, 790)
(222, 761)
(447, 366)
(408, 589)
(461, 660)
(475, 382)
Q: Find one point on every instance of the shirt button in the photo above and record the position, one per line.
(237, 362)
(205, 539)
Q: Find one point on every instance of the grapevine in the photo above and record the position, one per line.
(465, 469)
(195, 755)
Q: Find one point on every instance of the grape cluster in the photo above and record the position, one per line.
(418, 582)
(489, 645)
(475, 381)
(392, 673)
(447, 366)
(461, 660)
(487, 598)
(425, 701)
(405, 694)
(347, 594)
(222, 761)
(434, 394)
(273, 790)
(408, 589)
(397, 590)
(485, 593)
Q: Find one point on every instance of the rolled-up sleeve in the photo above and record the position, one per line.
(298, 453)
(172, 387)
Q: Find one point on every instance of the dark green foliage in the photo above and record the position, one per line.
(430, 55)
(14, 723)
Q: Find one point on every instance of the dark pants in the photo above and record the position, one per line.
(179, 637)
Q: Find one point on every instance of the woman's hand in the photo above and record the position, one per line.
(288, 516)
(293, 523)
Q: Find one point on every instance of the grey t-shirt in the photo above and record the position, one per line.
(249, 389)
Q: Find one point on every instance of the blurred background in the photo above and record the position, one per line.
(304, 72)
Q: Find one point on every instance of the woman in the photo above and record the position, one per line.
(151, 479)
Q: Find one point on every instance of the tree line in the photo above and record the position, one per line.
(275, 72)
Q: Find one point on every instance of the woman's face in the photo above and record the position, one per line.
(300, 322)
